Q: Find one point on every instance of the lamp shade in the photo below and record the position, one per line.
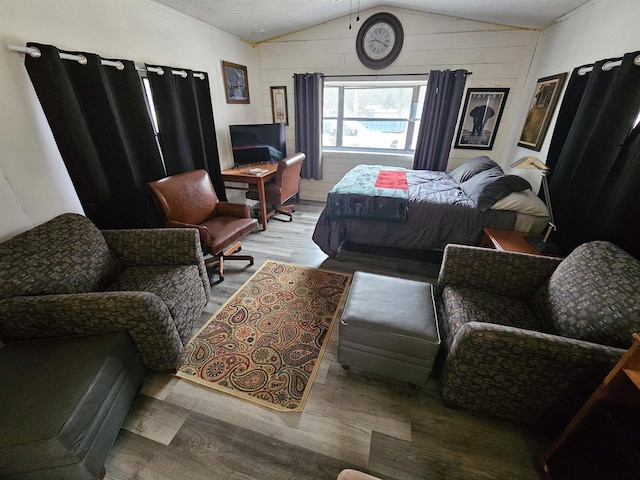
(529, 162)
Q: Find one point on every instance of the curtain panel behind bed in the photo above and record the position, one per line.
(438, 122)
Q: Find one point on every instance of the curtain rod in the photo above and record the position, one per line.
(384, 75)
(608, 66)
(82, 60)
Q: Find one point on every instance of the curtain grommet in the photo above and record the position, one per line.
(34, 52)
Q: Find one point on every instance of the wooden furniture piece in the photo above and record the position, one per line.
(621, 387)
(508, 241)
(285, 185)
(188, 200)
(242, 175)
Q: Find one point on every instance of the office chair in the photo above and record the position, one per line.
(189, 200)
(284, 186)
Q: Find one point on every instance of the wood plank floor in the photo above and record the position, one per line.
(352, 419)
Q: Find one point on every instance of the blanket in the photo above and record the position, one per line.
(370, 192)
(438, 213)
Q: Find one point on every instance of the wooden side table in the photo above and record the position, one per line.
(507, 241)
(620, 387)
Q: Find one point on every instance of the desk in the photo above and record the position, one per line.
(240, 175)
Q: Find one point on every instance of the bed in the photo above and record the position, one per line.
(381, 206)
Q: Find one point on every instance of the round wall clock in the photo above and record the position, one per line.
(379, 40)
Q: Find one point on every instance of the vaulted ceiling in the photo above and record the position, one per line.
(256, 21)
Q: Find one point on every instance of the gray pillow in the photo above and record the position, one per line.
(486, 188)
(472, 167)
(516, 183)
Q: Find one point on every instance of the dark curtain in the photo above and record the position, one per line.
(308, 92)
(187, 129)
(567, 113)
(100, 123)
(595, 166)
(438, 122)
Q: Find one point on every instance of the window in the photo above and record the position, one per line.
(375, 116)
(150, 105)
(151, 109)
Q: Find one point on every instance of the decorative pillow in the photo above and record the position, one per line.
(472, 167)
(486, 188)
(522, 202)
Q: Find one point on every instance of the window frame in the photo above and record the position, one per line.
(414, 116)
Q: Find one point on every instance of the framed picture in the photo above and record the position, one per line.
(483, 109)
(236, 82)
(543, 104)
(279, 105)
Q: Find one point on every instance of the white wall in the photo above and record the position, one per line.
(498, 56)
(598, 30)
(34, 184)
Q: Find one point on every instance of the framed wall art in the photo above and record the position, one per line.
(543, 104)
(236, 82)
(279, 108)
(483, 109)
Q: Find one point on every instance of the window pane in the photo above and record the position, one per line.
(377, 117)
(377, 102)
(420, 104)
(330, 101)
(329, 130)
(371, 115)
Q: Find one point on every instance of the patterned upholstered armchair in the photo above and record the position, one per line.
(66, 277)
(528, 337)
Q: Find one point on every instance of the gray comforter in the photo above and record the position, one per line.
(439, 212)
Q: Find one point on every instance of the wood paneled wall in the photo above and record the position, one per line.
(498, 56)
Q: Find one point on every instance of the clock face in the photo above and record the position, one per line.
(379, 40)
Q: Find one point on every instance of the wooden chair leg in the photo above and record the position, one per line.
(221, 269)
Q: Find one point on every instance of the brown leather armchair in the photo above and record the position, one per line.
(189, 200)
(284, 186)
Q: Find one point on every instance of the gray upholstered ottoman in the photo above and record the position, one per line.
(389, 327)
(62, 403)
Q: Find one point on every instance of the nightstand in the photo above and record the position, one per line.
(508, 241)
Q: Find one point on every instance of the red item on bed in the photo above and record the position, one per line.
(396, 179)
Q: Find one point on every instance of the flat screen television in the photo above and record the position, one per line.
(258, 143)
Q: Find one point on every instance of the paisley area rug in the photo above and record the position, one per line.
(266, 342)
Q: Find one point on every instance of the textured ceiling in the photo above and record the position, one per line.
(258, 20)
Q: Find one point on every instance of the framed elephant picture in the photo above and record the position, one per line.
(480, 118)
